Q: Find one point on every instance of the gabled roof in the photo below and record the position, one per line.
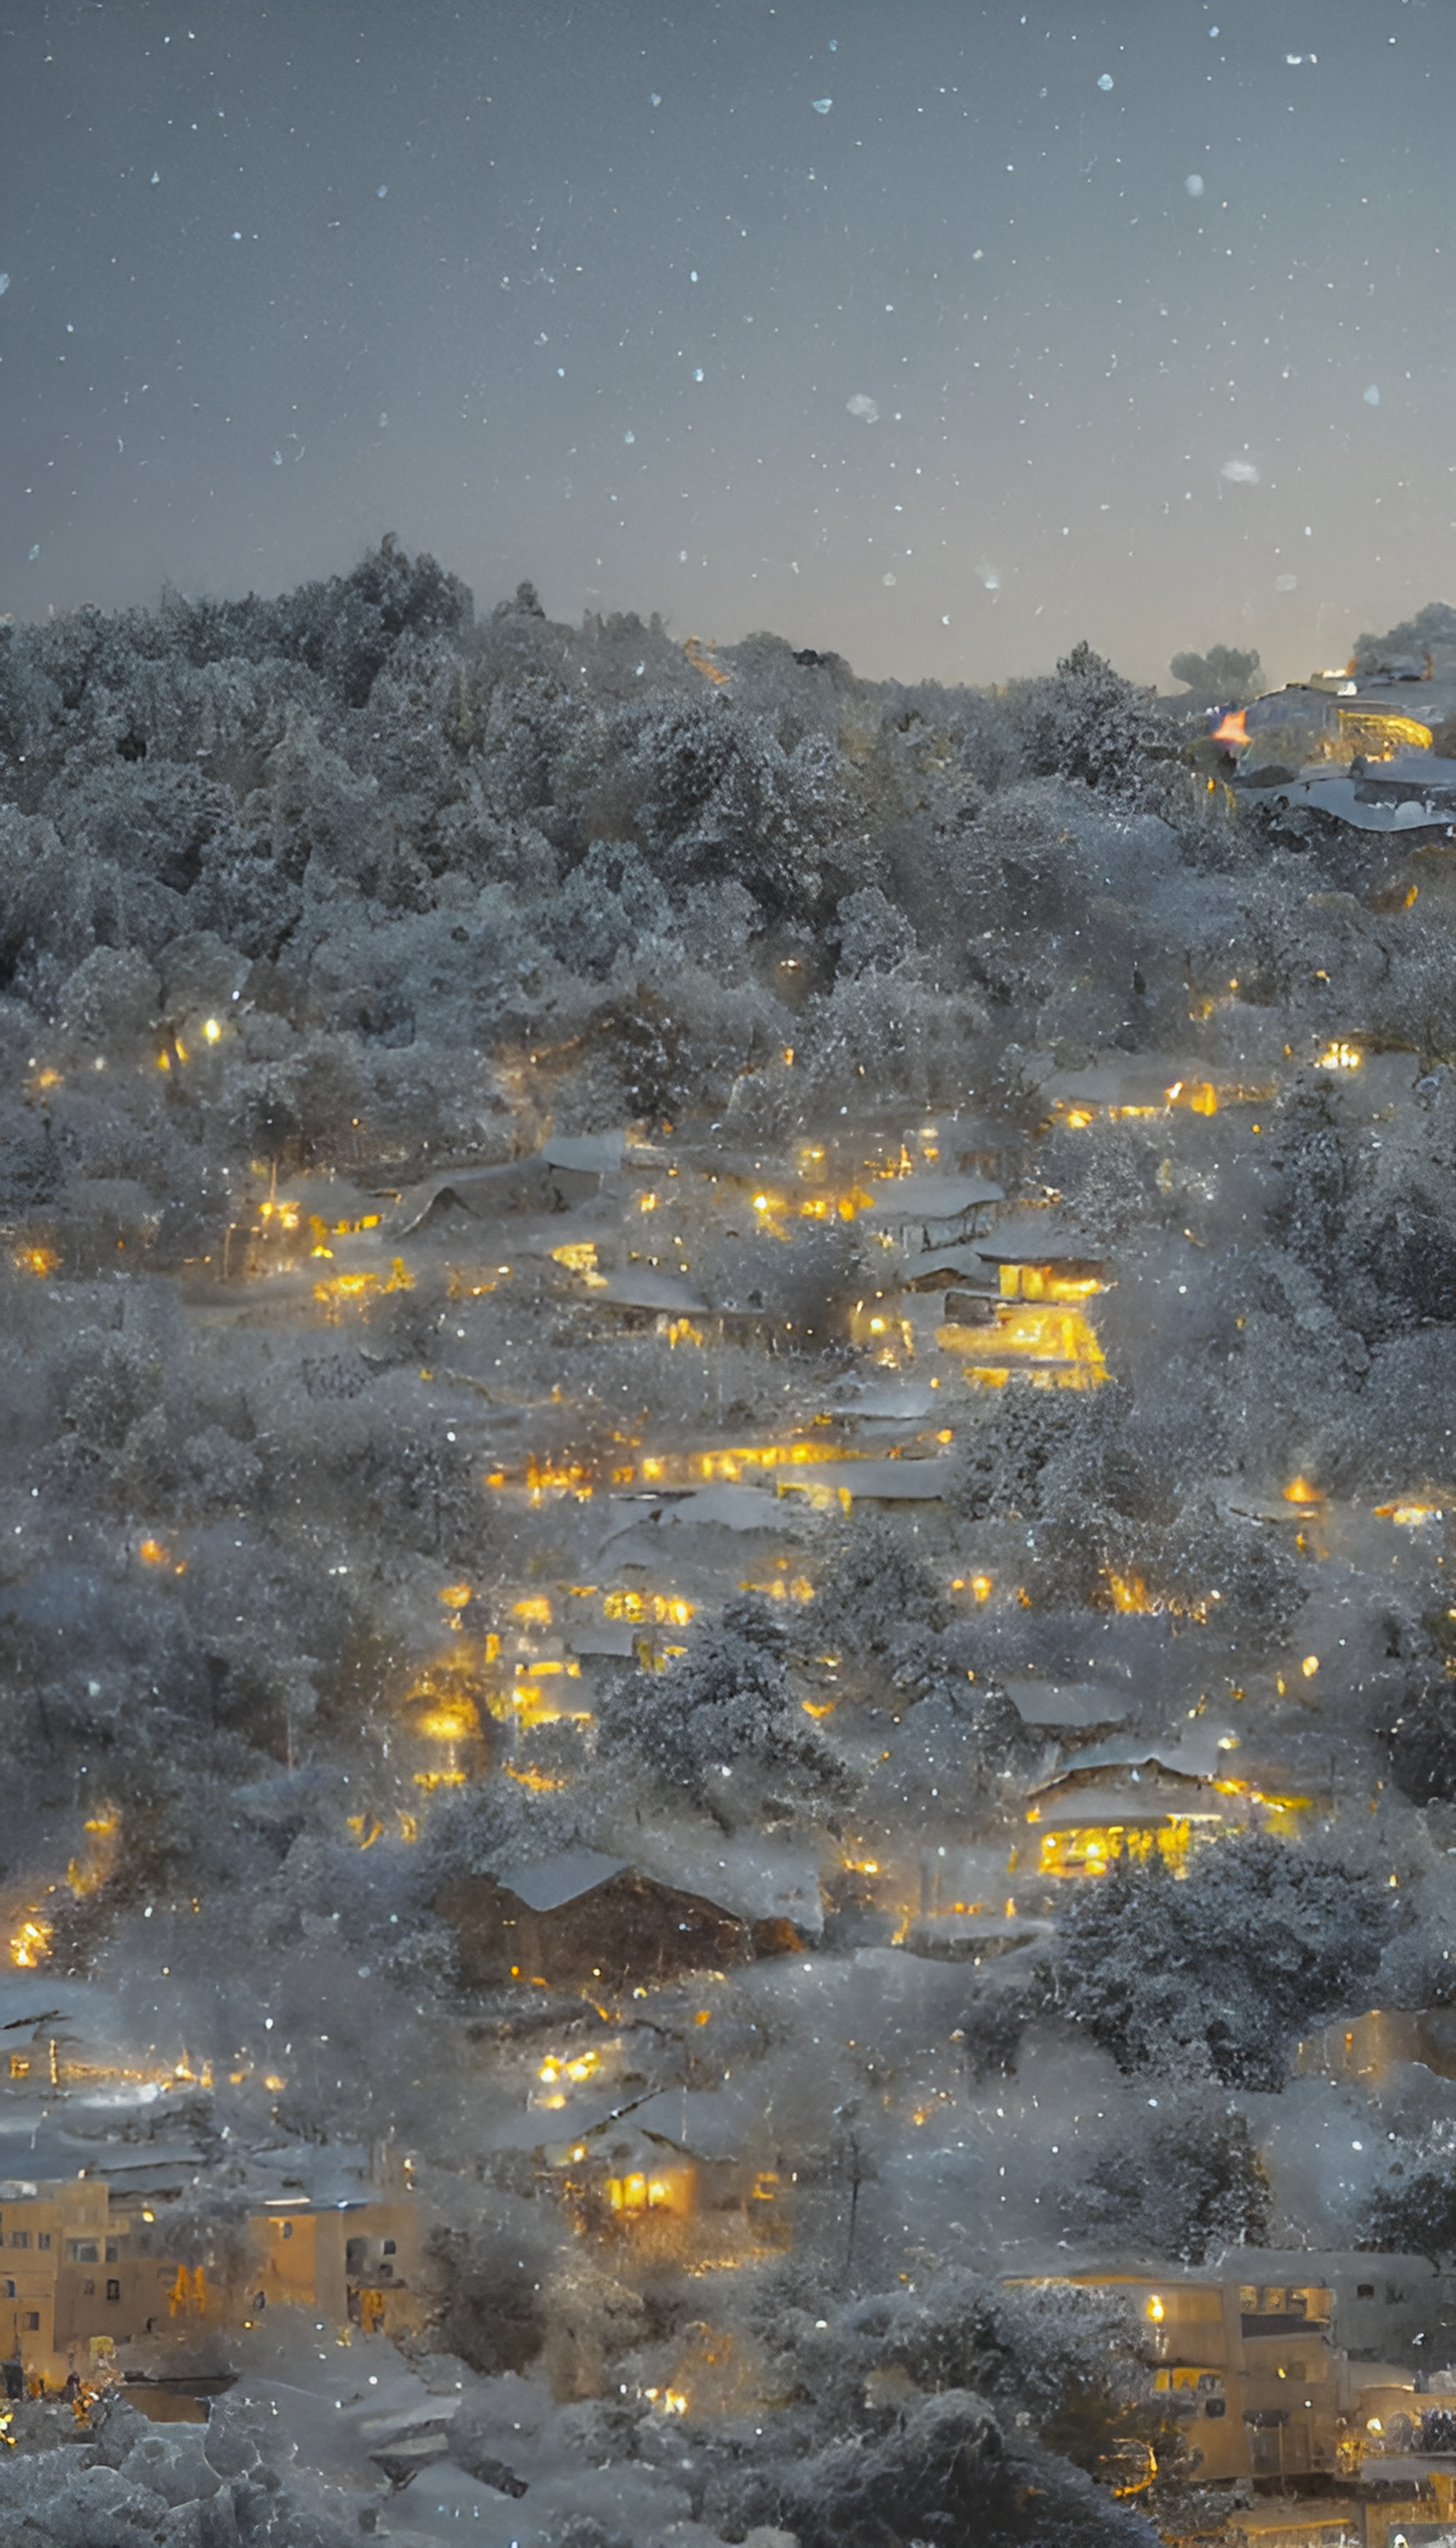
(1067, 1704)
(1118, 1802)
(548, 1883)
(593, 1153)
(641, 1286)
(930, 1197)
(1039, 1239)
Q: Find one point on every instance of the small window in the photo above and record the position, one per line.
(111, 2251)
(43, 2237)
(1213, 2406)
(288, 2229)
(20, 2065)
(1364, 2291)
(88, 2291)
(390, 2248)
(82, 2251)
(20, 2237)
(10, 2291)
(30, 2322)
(113, 2291)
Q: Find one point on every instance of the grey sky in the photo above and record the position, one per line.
(945, 377)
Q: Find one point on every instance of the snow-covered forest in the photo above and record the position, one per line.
(816, 1323)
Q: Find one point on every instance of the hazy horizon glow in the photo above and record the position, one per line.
(941, 336)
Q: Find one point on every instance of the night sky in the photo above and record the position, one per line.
(942, 333)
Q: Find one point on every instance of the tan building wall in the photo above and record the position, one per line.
(1282, 2376)
(76, 2290)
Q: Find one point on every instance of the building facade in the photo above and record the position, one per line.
(86, 2280)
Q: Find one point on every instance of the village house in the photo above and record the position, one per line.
(1292, 2369)
(923, 1211)
(1081, 1821)
(584, 1921)
(655, 2195)
(1015, 1301)
(86, 2279)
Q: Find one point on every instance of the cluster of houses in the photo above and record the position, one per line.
(1303, 2383)
(1288, 2379)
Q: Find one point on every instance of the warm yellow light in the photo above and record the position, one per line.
(153, 1553)
(211, 1031)
(535, 1613)
(1339, 1056)
(579, 1256)
(30, 1942)
(1301, 1492)
(35, 1260)
(1410, 1516)
(1156, 2311)
(449, 1724)
(456, 1596)
(1310, 1667)
(1130, 1593)
(1199, 1095)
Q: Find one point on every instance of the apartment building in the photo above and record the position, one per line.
(86, 2278)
